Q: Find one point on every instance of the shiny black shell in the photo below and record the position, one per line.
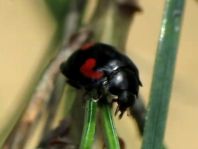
(93, 65)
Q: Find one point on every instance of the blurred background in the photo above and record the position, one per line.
(26, 28)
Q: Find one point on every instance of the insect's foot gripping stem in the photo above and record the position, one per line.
(119, 110)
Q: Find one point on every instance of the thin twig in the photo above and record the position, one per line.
(46, 87)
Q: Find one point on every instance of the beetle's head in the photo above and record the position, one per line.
(125, 100)
(124, 84)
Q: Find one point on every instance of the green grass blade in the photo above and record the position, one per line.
(163, 74)
(110, 133)
(89, 125)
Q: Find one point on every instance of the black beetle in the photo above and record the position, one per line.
(102, 68)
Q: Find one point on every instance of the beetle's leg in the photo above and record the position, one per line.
(92, 94)
(102, 88)
(125, 99)
(117, 110)
(121, 112)
(114, 100)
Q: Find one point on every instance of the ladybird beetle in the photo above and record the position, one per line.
(102, 68)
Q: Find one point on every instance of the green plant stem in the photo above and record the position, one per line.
(163, 74)
(111, 136)
(89, 125)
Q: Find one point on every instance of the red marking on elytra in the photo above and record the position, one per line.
(87, 69)
(86, 46)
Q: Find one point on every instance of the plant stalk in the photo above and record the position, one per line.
(89, 125)
(111, 137)
(163, 74)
